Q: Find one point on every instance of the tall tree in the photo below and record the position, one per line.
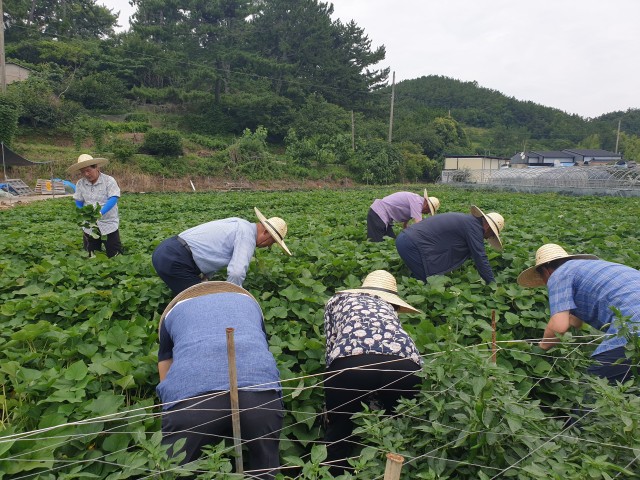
(308, 52)
(59, 19)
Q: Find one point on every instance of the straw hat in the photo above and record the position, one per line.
(433, 202)
(85, 160)
(382, 284)
(495, 221)
(204, 288)
(545, 254)
(276, 227)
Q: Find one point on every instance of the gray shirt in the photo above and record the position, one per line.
(98, 193)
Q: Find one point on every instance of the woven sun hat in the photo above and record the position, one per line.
(496, 223)
(204, 288)
(433, 202)
(276, 227)
(382, 284)
(85, 160)
(545, 254)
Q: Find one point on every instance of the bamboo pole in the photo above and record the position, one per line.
(494, 350)
(233, 396)
(393, 467)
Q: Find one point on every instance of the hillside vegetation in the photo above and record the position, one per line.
(255, 89)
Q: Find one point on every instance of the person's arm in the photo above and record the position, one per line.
(109, 204)
(165, 352)
(243, 248)
(405, 224)
(559, 324)
(163, 368)
(475, 242)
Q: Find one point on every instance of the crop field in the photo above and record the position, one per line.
(79, 340)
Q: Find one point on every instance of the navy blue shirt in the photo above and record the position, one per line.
(447, 240)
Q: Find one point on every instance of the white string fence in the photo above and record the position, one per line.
(136, 415)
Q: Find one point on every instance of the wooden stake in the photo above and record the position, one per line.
(393, 467)
(494, 349)
(233, 395)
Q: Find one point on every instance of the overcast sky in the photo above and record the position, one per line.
(581, 56)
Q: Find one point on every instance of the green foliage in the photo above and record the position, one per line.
(122, 149)
(137, 117)
(89, 127)
(79, 341)
(208, 142)
(88, 217)
(9, 112)
(377, 162)
(165, 143)
(100, 91)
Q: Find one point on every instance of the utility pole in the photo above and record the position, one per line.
(3, 72)
(617, 137)
(393, 93)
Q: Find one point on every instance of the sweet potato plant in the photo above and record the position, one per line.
(78, 341)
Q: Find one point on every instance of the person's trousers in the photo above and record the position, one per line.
(384, 378)
(410, 254)
(175, 266)
(112, 243)
(606, 367)
(207, 421)
(377, 229)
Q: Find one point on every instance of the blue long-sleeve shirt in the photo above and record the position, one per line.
(447, 240)
(229, 242)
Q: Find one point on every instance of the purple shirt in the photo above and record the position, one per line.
(399, 207)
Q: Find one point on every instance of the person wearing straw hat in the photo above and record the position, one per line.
(97, 188)
(203, 250)
(194, 375)
(442, 243)
(367, 351)
(398, 207)
(583, 288)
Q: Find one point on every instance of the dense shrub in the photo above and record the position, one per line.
(165, 143)
(208, 142)
(100, 91)
(136, 117)
(9, 112)
(377, 162)
(123, 149)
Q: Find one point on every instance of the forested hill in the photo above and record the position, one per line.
(237, 80)
(509, 118)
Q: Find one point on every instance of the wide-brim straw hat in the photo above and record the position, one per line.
(276, 227)
(85, 160)
(382, 284)
(545, 254)
(433, 202)
(496, 223)
(205, 288)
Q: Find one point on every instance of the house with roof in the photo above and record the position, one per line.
(564, 158)
(473, 162)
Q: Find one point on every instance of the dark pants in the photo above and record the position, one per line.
(346, 390)
(112, 244)
(207, 421)
(605, 367)
(377, 229)
(175, 266)
(410, 254)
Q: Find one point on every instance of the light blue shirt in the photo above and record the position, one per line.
(229, 242)
(195, 339)
(588, 288)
